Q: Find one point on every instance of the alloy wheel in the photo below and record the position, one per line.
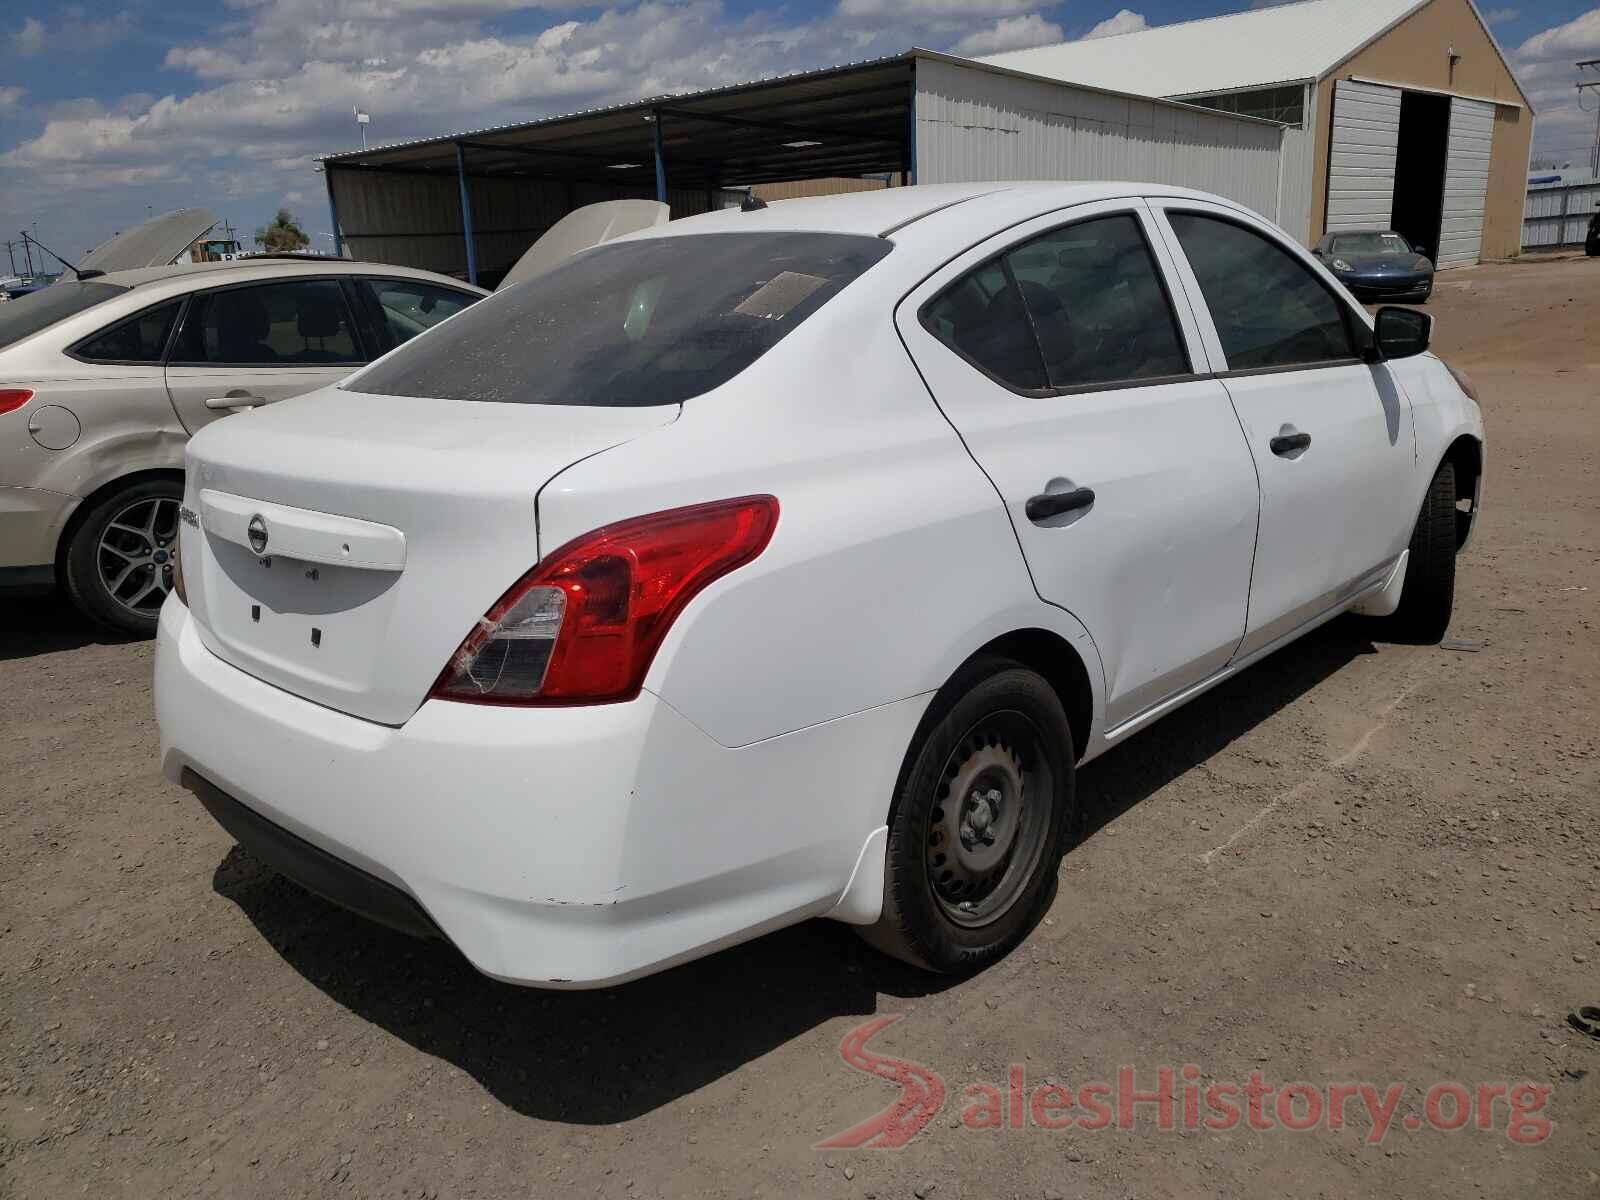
(135, 554)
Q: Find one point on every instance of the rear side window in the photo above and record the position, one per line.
(27, 315)
(404, 308)
(630, 324)
(300, 322)
(982, 318)
(1269, 309)
(140, 339)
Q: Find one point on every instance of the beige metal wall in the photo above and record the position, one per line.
(1415, 52)
(974, 124)
(415, 220)
(831, 186)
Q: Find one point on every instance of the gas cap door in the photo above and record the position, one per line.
(53, 427)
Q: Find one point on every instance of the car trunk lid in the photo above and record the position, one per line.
(340, 545)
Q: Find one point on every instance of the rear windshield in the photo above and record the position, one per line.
(631, 324)
(28, 314)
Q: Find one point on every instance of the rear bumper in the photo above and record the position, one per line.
(310, 866)
(562, 847)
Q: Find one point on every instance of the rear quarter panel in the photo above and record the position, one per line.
(892, 560)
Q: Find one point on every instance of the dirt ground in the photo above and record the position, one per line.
(1356, 862)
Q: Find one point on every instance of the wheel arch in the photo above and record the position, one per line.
(1466, 455)
(87, 505)
(1044, 651)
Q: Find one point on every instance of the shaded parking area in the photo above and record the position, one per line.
(1356, 863)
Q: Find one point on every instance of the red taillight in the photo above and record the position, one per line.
(583, 626)
(12, 399)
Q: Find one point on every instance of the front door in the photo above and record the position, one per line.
(1331, 433)
(257, 343)
(1080, 388)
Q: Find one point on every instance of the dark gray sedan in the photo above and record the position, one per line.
(1376, 264)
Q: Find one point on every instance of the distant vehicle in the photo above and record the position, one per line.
(102, 380)
(1377, 264)
(786, 563)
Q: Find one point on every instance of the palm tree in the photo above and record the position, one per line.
(283, 234)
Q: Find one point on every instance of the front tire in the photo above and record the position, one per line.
(1428, 595)
(984, 812)
(119, 562)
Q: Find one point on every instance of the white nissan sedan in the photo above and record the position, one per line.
(780, 564)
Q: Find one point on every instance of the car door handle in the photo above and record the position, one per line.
(238, 398)
(1288, 443)
(1052, 504)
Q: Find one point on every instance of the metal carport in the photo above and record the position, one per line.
(470, 203)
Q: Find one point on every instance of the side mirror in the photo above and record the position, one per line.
(1402, 332)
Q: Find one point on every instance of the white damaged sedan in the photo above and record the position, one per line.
(780, 564)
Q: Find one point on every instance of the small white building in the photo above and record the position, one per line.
(1401, 114)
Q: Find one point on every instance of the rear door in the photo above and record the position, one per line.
(252, 344)
(1056, 351)
(1331, 434)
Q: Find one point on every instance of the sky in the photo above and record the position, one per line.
(112, 111)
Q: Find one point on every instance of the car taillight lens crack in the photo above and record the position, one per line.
(584, 625)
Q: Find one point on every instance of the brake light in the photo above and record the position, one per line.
(583, 626)
(1463, 381)
(12, 399)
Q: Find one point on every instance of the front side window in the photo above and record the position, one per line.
(406, 307)
(630, 324)
(1269, 309)
(303, 322)
(140, 339)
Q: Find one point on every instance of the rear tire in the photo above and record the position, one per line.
(118, 566)
(1428, 595)
(984, 811)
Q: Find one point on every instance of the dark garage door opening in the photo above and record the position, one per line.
(1419, 170)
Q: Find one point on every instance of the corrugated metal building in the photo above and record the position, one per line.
(1401, 114)
(470, 203)
(1557, 213)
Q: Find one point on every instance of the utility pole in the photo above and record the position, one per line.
(12, 255)
(1583, 86)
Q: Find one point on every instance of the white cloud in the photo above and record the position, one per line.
(1010, 33)
(256, 93)
(1499, 16)
(1125, 21)
(1576, 38)
(74, 33)
(969, 9)
(11, 98)
(29, 40)
(1543, 66)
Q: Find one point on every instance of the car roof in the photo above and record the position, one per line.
(241, 270)
(882, 212)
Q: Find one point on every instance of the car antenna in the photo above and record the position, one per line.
(91, 273)
(751, 203)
